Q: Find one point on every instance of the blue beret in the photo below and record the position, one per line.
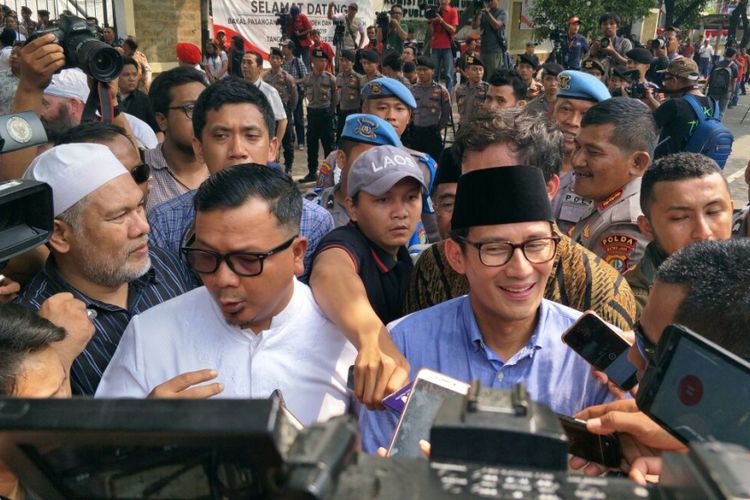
(388, 87)
(370, 129)
(579, 85)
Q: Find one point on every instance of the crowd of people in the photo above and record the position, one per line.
(185, 260)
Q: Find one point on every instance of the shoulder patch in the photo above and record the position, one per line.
(616, 249)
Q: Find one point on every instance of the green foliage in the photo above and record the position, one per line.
(555, 13)
(684, 13)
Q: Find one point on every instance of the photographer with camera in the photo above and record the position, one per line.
(354, 27)
(298, 30)
(441, 29)
(490, 19)
(395, 33)
(577, 45)
(610, 46)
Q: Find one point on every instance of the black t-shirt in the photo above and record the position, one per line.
(384, 278)
(139, 105)
(677, 120)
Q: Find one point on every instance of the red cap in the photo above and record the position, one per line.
(188, 53)
(574, 20)
(473, 36)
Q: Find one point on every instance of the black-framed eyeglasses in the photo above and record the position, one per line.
(186, 108)
(245, 264)
(646, 348)
(499, 253)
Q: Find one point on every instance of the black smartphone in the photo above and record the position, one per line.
(597, 448)
(697, 390)
(603, 348)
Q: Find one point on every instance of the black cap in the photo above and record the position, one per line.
(320, 53)
(640, 55)
(275, 51)
(43, 13)
(393, 61)
(348, 55)
(473, 61)
(425, 61)
(551, 68)
(527, 59)
(501, 195)
(369, 55)
(449, 166)
(627, 74)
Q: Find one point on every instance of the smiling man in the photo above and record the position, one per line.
(503, 332)
(613, 150)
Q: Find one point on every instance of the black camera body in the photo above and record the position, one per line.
(637, 91)
(604, 42)
(382, 19)
(430, 11)
(84, 50)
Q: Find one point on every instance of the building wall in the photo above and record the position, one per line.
(159, 24)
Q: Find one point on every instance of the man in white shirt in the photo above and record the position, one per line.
(705, 55)
(252, 65)
(354, 27)
(253, 327)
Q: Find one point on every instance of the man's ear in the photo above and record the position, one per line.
(351, 207)
(640, 161)
(62, 235)
(645, 227)
(273, 146)
(161, 120)
(553, 184)
(454, 254)
(299, 247)
(521, 103)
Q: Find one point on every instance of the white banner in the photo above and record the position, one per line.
(255, 20)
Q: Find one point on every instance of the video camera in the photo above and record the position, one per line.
(283, 21)
(430, 11)
(382, 19)
(604, 42)
(84, 50)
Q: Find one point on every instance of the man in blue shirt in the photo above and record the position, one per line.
(503, 332)
(577, 45)
(233, 124)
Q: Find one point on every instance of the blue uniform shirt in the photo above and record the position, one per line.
(577, 47)
(446, 338)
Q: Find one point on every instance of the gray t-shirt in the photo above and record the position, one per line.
(490, 42)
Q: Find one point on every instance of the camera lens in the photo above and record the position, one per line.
(99, 60)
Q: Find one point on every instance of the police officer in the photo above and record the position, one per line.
(285, 85)
(432, 113)
(597, 68)
(470, 95)
(370, 60)
(577, 93)
(527, 66)
(320, 89)
(349, 85)
(392, 101)
(614, 149)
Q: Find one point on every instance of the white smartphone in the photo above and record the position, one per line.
(428, 392)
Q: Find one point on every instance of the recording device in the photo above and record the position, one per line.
(283, 21)
(428, 392)
(603, 348)
(559, 38)
(84, 50)
(637, 91)
(597, 448)
(604, 42)
(338, 32)
(430, 11)
(697, 390)
(658, 43)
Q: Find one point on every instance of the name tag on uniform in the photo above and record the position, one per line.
(574, 207)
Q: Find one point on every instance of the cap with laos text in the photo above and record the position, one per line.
(378, 169)
(579, 85)
(389, 87)
(74, 171)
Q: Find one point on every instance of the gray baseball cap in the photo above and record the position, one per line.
(379, 169)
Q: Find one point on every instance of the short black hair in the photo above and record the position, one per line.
(393, 60)
(675, 167)
(714, 275)
(7, 37)
(609, 16)
(635, 128)
(129, 60)
(22, 332)
(231, 90)
(131, 43)
(97, 132)
(233, 186)
(730, 52)
(258, 58)
(159, 94)
(409, 67)
(509, 77)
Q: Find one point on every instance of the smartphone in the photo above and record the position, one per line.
(603, 348)
(597, 448)
(697, 390)
(428, 392)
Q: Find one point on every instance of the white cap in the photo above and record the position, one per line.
(71, 83)
(74, 171)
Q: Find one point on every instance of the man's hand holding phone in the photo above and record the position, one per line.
(380, 369)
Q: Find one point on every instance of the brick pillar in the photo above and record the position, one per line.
(160, 24)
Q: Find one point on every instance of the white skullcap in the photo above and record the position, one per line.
(74, 171)
(71, 83)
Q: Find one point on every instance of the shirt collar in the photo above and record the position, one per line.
(383, 259)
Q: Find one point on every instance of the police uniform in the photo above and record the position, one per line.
(568, 207)
(470, 97)
(610, 230)
(285, 85)
(389, 87)
(320, 90)
(739, 222)
(534, 88)
(431, 115)
(349, 86)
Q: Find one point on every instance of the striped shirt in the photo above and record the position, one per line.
(579, 279)
(165, 280)
(164, 185)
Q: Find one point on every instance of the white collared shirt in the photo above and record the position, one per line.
(273, 97)
(302, 353)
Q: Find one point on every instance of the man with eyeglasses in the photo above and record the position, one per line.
(504, 331)
(252, 328)
(99, 251)
(176, 169)
(703, 286)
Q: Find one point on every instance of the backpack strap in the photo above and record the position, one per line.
(693, 102)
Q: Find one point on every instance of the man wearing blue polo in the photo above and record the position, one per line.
(503, 332)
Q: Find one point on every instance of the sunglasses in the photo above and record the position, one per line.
(646, 348)
(141, 173)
